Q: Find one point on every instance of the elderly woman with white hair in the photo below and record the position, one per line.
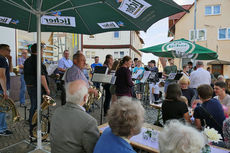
(220, 78)
(125, 119)
(179, 138)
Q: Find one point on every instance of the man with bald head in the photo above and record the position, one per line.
(76, 71)
(72, 129)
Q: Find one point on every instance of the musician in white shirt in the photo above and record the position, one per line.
(200, 76)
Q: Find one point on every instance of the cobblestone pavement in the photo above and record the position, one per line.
(18, 142)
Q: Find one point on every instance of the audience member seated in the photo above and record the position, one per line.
(220, 78)
(186, 91)
(125, 119)
(213, 81)
(72, 129)
(226, 132)
(179, 138)
(173, 106)
(210, 113)
(220, 88)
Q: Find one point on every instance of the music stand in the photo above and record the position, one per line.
(101, 69)
(175, 76)
(159, 75)
(101, 75)
(178, 76)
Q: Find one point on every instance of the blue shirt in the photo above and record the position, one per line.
(64, 63)
(110, 143)
(214, 107)
(75, 73)
(94, 65)
(21, 61)
(4, 64)
(140, 76)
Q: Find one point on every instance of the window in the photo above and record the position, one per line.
(92, 55)
(116, 34)
(216, 9)
(122, 54)
(224, 33)
(208, 10)
(87, 54)
(229, 33)
(200, 35)
(116, 55)
(212, 10)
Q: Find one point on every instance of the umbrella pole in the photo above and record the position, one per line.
(39, 141)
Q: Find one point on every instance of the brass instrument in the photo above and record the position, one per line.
(47, 101)
(92, 99)
(16, 70)
(6, 105)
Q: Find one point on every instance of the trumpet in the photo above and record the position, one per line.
(92, 98)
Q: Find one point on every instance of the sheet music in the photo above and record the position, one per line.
(171, 76)
(137, 73)
(145, 77)
(51, 68)
(103, 78)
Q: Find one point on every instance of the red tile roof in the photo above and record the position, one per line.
(178, 16)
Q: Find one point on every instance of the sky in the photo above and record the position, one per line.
(158, 34)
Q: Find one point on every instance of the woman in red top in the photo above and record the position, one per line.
(124, 81)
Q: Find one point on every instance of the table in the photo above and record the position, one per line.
(152, 147)
(135, 140)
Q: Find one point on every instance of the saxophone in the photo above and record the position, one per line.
(92, 99)
(6, 105)
(47, 101)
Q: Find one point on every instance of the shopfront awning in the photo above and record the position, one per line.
(218, 62)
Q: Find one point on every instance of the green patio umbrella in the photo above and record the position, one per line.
(83, 17)
(181, 48)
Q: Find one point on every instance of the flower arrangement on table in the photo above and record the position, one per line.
(150, 134)
(211, 136)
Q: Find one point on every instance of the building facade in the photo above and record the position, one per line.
(56, 43)
(118, 44)
(212, 31)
